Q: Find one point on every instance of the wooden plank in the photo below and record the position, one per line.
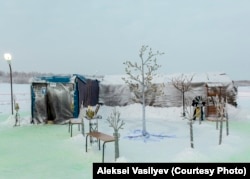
(102, 136)
(75, 121)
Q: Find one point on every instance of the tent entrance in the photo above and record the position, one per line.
(52, 103)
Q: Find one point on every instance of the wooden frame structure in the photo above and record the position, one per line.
(214, 90)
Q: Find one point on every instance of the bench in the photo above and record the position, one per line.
(100, 137)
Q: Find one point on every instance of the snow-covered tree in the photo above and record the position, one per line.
(221, 114)
(226, 116)
(189, 116)
(140, 76)
(115, 122)
(183, 84)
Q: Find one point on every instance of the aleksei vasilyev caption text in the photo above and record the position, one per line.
(161, 170)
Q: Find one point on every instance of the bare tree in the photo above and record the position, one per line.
(190, 116)
(227, 119)
(140, 77)
(216, 102)
(115, 122)
(183, 84)
(220, 107)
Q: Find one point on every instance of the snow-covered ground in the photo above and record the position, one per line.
(48, 151)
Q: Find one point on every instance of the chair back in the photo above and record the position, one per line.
(82, 112)
(97, 108)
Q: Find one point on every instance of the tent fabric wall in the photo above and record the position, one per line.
(121, 95)
(89, 93)
(117, 93)
(58, 98)
(59, 102)
(51, 102)
(38, 102)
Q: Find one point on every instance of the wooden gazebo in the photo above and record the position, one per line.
(214, 90)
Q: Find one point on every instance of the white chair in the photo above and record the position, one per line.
(79, 121)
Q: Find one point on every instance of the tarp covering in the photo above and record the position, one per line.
(60, 102)
(89, 93)
(117, 93)
(39, 102)
(58, 98)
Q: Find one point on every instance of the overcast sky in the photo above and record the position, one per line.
(95, 37)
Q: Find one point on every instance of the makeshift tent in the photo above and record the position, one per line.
(117, 93)
(58, 98)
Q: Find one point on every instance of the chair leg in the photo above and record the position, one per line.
(83, 130)
(71, 130)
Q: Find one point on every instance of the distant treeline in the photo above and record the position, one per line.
(242, 83)
(25, 78)
(20, 77)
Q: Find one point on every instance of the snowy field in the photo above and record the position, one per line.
(47, 151)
